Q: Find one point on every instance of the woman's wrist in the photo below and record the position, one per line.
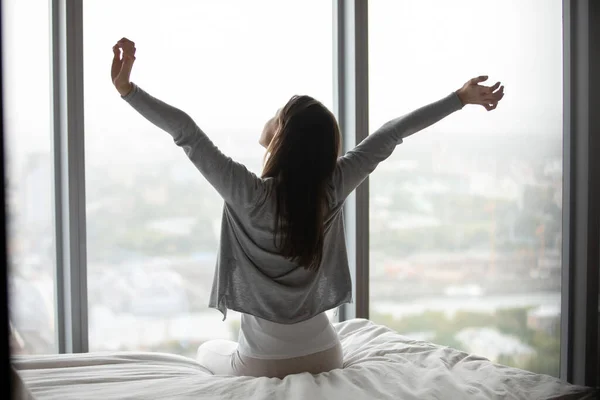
(462, 96)
(124, 89)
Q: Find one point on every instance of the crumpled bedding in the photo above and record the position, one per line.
(378, 364)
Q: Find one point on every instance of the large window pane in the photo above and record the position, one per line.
(466, 216)
(152, 220)
(31, 250)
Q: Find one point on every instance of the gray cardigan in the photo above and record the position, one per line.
(250, 275)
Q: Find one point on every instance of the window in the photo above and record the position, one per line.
(465, 217)
(153, 222)
(29, 177)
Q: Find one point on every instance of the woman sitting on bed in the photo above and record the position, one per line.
(282, 258)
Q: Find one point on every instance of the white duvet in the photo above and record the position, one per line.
(378, 364)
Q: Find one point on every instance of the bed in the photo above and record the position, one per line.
(378, 364)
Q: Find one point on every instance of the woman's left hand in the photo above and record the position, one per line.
(474, 93)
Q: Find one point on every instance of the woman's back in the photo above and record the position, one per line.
(260, 218)
(267, 284)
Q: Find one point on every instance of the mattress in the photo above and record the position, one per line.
(378, 364)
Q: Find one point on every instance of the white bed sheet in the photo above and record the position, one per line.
(378, 364)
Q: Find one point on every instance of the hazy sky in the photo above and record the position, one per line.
(231, 64)
(423, 49)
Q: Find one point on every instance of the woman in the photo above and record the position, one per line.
(282, 258)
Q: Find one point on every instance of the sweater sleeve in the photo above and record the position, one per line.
(357, 164)
(232, 180)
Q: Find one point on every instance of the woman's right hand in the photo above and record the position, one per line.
(123, 59)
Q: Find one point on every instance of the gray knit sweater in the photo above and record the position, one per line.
(250, 275)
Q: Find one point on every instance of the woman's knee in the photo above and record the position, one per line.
(218, 346)
(216, 356)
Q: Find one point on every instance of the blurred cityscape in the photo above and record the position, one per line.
(466, 245)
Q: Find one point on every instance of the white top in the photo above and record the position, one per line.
(264, 339)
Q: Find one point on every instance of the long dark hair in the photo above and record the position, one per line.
(302, 157)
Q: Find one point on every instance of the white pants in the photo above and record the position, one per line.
(221, 357)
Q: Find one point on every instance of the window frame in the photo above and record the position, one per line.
(351, 106)
(5, 300)
(581, 194)
(581, 174)
(66, 35)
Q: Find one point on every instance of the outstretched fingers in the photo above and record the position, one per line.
(479, 79)
(495, 94)
(492, 94)
(494, 87)
(490, 106)
(498, 94)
